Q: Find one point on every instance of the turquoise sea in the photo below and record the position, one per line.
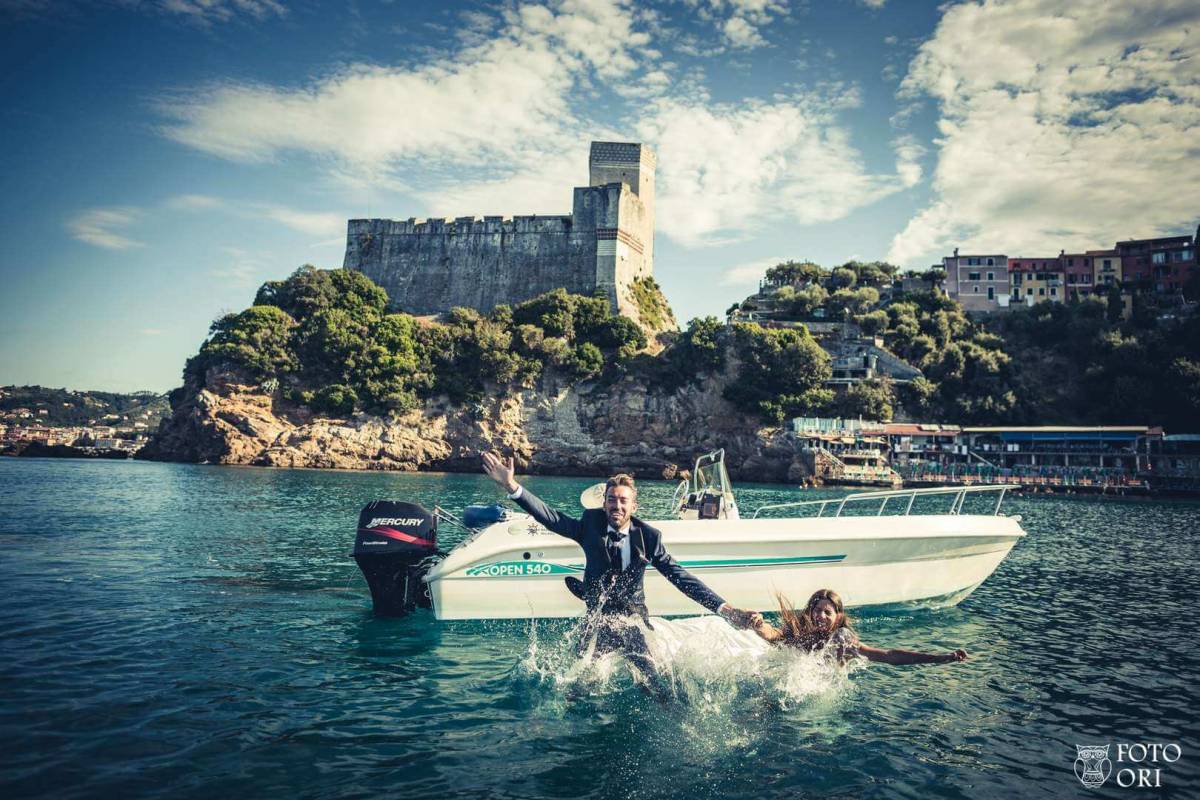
(179, 631)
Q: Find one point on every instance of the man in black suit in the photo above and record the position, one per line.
(617, 547)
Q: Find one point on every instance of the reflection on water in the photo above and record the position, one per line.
(184, 631)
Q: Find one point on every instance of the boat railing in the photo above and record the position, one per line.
(959, 494)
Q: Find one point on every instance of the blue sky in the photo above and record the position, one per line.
(161, 159)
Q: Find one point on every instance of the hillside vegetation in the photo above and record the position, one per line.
(324, 339)
(68, 408)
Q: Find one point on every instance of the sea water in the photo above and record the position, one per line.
(196, 631)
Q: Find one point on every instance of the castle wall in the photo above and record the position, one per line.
(430, 266)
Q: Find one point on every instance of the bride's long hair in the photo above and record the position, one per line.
(799, 630)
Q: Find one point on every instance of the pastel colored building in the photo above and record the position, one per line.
(977, 282)
(1106, 268)
(1078, 278)
(1035, 280)
(1162, 265)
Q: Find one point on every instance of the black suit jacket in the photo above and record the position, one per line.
(607, 586)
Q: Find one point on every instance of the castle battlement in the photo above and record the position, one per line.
(460, 226)
(433, 264)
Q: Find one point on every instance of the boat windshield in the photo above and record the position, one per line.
(708, 494)
(710, 475)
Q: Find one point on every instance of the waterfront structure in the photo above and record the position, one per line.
(1173, 463)
(604, 245)
(978, 282)
(917, 442)
(1121, 447)
(1035, 280)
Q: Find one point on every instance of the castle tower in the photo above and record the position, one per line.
(625, 239)
(428, 266)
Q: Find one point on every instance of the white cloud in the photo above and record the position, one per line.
(492, 100)
(725, 171)
(739, 22)
(194, 202)
(99, 227)
(150, 331)
(314, 223)
(741, 34)
(908, 159)
(749, 273)
(309, 222)
(502, 127)
(1064, 125)
(241, 268)
(207, 11)
(873, 3)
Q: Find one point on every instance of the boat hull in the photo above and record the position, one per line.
(515, 569)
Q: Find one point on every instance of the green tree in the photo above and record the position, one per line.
(782, 372)
(257, 340)
(553, 312)
(873, 323)
(843, 278)
(871, 399)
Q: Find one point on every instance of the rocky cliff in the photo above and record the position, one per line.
(585, 429)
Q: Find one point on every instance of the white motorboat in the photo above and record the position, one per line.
(870, 547)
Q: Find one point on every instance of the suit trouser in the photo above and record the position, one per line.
(619, 633)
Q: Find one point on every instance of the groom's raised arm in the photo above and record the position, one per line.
(504, 474)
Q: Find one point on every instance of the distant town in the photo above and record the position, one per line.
(1161, 268)
(92, 423)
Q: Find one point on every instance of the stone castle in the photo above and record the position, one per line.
(428, 266)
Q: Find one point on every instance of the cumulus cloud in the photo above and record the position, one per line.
(100, 227)
(727, 170)
(1063, 124)
(739, 22)
(492, 99)
(502, 126)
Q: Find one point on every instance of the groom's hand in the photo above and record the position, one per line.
(737, 617)
(500, 470)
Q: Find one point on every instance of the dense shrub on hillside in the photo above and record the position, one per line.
(691, 356)
(782, 372)
(1076, 366)
(324, 337)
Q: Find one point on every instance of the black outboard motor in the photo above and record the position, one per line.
(393, 539)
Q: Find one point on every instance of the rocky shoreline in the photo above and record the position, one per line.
(556, 429)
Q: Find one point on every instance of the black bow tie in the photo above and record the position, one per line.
(615, 534)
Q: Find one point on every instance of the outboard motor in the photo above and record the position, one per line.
(393, 539)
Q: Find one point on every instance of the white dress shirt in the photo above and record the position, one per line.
(624, 539)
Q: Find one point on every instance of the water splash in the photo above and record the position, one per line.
(707, 665)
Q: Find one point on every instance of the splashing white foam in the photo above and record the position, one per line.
(707, 664)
